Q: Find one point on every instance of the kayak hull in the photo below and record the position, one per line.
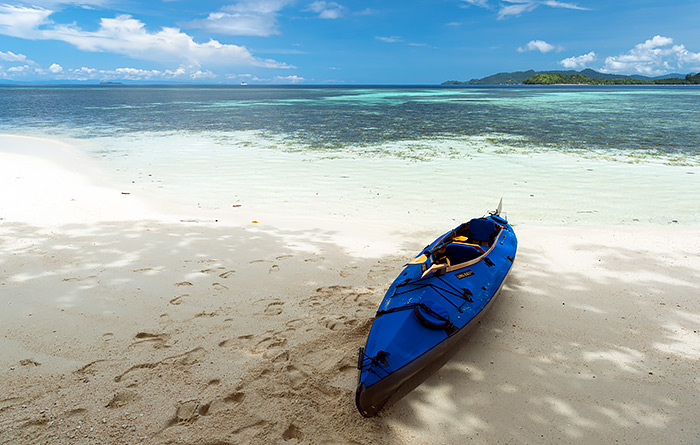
(378, 382)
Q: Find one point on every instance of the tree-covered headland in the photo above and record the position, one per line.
(578, 79)
(572, 77)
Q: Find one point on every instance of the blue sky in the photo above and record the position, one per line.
(340, 42)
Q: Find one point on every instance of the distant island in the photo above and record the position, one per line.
(585, 77)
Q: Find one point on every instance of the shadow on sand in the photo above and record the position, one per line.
(168, 333)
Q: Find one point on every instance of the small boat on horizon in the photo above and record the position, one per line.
(431, 308)
(243, 84)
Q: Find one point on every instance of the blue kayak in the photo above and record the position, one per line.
(431, 307)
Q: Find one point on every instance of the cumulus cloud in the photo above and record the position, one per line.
(55, 68)
(290, 79)
(326, 10)
(19, 69)
(133, 74)
(12, 57)
(245, 18)
(653, 57)
(579, 62)
(128, 36)
(539, 45)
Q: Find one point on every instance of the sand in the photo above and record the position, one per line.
(129, 320)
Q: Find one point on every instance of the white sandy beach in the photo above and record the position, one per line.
(130, 319)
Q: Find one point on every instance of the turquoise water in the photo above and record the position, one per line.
(630, 121)
(556, 154)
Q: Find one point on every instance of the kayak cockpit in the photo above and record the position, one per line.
(466, 245)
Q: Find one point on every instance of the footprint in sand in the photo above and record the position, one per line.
(346, 272)
(235, 397)
(186, 411)
(292, 433)
(76, 412)
(79, 279)
(274, 268)
(295, 375)
(380, 272)
(227, 274)
(149, 270)
(276, 355)
(340, 322)
(219, 286)
(274, 308)
(188, 358)
(268, 343)
(235, 341)
(122, 398)
(225, 343)
(157, 340)
(184, 283)
(178, 300)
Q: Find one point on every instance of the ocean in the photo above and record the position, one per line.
(416, 156)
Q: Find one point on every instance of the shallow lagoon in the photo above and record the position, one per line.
(412, 156)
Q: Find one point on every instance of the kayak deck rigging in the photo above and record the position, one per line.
(426, 282)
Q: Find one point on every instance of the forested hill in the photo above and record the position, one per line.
(587, 76)
(577, 79)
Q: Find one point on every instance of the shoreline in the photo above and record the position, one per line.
(157, 330)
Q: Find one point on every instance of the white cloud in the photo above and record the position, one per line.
(18, 69)
(22, 22)
(653, 57)
(326, 10)
(56, 71)
(538, 45)
(392, 39)
(557, 4)
(290, 79)
(128, 36)
(245, 18)
(134, 74)
(480, 3)
(397, 39)
(655, 42)
(55, 3)
(578, 62)
(515, 8)
(12, 57)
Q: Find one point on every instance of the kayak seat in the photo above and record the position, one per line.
(460, 253)
(481, 230)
